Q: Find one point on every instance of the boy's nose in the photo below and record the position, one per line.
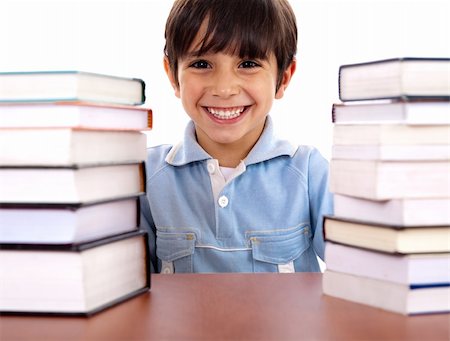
(225, 84)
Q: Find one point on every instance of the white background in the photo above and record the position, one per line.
(126, 38)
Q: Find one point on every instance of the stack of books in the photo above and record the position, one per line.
(71, 173)
(388, 242)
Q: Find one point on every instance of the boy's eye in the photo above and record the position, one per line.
(200, 64)
(248, 64)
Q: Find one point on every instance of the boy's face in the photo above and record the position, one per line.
(228, 98)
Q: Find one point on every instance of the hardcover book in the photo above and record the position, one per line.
(70, 185)
(391, 152)
(395, 78)
(73, 279)
(51, 86)
(391, 134)
(402, 211)
(85, 115)
(412, 269)
(390, 296)
(387, 238)
(55, 147)
(67, 223)
(383, 180)
(418, 112)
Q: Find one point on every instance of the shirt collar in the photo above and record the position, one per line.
(267, 147)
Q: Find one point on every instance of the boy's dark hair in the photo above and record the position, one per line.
(258, 28)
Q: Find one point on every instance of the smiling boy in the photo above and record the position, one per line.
(232, 197)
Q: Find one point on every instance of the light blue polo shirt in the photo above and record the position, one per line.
(265, 217)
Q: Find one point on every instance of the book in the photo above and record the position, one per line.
(380, 180)
(86, 115)
(426, 112)
(390, 296)
(391, 152)
(412, 269)
(67, 223)
(70, 185)
(51, 86)
(74, 279)
(402, 211)
(387, 237)
(391, 134)
(68, 147)
(395, 78)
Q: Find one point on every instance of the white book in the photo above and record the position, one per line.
(390, 296)
(67, 147)
(67, 224)
(414, 269)
(402, 211)
(395, 78)
(70, 185)
(76, 279)
(387, 238)
(86, 115)
(391, 134)
(391, 152)
(51, 86)
(382, 180)
(392, 112)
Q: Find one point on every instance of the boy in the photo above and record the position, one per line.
(231, 197)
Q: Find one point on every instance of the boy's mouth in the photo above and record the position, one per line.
(226, 113)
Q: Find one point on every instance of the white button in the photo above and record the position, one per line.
(211, 168)
(223, 201)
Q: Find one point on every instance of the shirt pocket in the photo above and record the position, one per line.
(175, 250)
(281, 247)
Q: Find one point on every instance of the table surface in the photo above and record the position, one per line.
(232, 307)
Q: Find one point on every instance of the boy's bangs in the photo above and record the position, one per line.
(241, 40)
(251, 35)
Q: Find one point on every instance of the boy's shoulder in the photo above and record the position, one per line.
(156, 158)
(308, 159)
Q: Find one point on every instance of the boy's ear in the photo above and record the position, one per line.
(287, 76)
(171, 77)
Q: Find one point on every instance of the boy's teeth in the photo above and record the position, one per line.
(226, 113)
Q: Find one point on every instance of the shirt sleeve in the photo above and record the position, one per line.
(320, 198)
(147, 224)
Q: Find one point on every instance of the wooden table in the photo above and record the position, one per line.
(232, 307)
